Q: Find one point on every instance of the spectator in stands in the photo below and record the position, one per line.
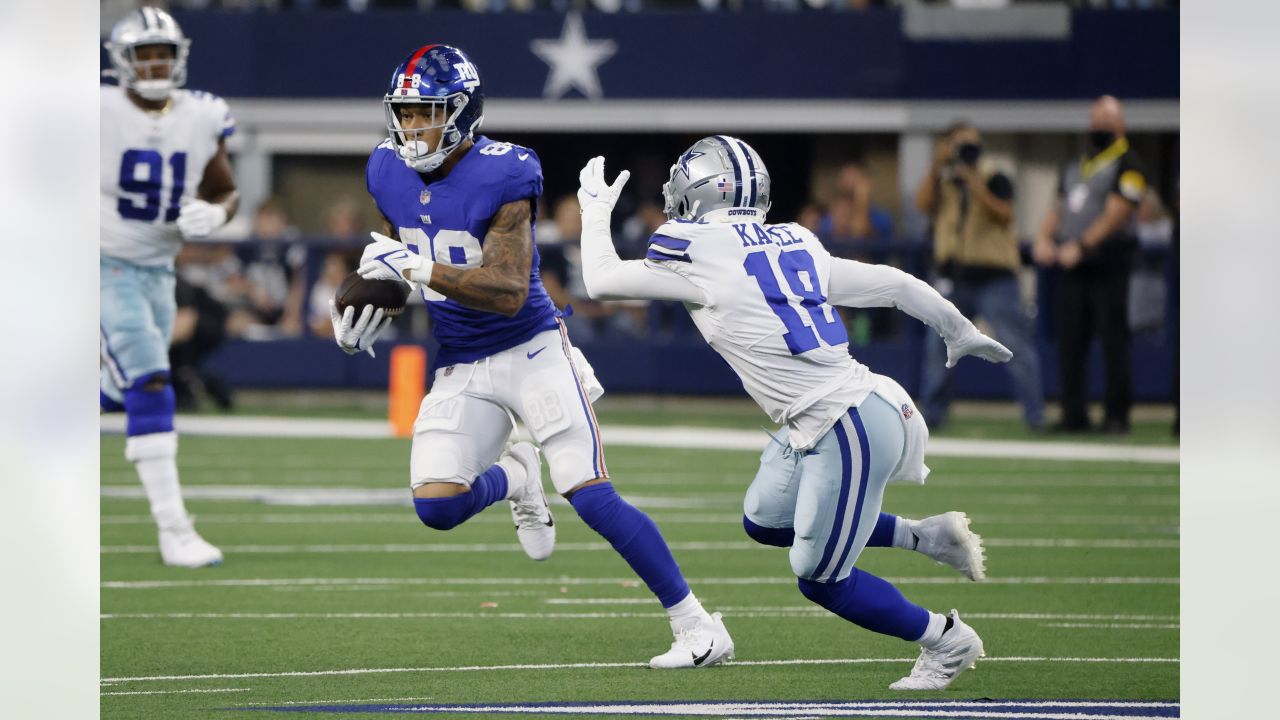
(852, 218)
(342, 222)
(590, 318)
(1088, 236)
(970, 205)
(336, 267)
(199, 329)
(810, 217)
(275, 273)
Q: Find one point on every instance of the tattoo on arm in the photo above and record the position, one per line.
(501, 285)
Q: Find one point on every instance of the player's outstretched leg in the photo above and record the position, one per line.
(945, 538)
(152, 447)
(948, 645)
(701, 639)
(517, 477)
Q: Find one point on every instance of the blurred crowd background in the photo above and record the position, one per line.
(903, 191)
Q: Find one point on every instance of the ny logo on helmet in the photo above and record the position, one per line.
(470, 76)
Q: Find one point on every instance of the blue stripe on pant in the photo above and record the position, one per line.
(815, 492)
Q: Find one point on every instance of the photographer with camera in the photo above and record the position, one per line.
(975, 253)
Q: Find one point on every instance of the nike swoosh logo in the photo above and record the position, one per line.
(523, 156)
(395, 255)
(590, 193)
(535, 352)
(699, 660)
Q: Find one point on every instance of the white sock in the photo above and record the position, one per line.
(155, 456)
(933, 631)
(685, 613)
(902, 535)
(517, 476)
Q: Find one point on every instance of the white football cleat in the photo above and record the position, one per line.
(705, 644)
(957, 651)
(182, 546)
(947, 539)
(535, 527)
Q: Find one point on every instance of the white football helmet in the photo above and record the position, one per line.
(148, 26)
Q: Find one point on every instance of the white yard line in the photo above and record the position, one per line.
(176, 692)
(1117, 626)
(666, 437)
(331, 702)
(589, 666)
(626, 582)
(691, 546)
(734, 612)
(355, 518)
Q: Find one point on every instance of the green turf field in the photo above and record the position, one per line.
(1082, 556)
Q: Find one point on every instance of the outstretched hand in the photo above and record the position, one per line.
(594, 190)
(978, 345)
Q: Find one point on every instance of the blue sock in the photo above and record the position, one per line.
(149, 411)
(882, 536)
(636, 538)
(108, 403)
(778, 537)
(446, 513)
(870, 602)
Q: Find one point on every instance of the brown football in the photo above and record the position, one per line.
(390, 295)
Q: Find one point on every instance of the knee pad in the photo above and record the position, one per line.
(777, 537)
(443, 513)
(150, 404)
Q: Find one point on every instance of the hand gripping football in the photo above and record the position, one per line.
(390, 295)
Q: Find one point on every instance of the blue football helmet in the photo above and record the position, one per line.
(445, 80)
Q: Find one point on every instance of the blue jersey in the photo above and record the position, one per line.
(447, 220)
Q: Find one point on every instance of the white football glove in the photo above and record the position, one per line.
(387, 259)
(355, 334)
(594, 190)
(978, 345)
(197, 218)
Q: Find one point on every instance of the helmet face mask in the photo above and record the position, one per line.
(413, 144)
(443, 87)
(150, 77)
(716, 173)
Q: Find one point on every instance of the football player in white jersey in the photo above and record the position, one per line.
(165, 177)
(762, 295)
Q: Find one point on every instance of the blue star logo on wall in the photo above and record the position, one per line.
(686, 159)
(573, 60)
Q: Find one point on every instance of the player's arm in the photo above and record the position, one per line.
(217, 198)
(1115, 215)
(607, 276)
(855, 284)
(501, 285)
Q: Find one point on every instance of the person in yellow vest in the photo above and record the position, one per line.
(1088, 236)
(975, 252)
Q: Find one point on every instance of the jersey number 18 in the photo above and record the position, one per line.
(800, 338)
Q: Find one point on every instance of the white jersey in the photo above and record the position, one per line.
(766, 314)
(759, 295)
(151, 163)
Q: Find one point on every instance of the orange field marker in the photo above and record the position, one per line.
(406, 388)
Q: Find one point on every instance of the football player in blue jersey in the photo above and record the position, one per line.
(459, 211)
